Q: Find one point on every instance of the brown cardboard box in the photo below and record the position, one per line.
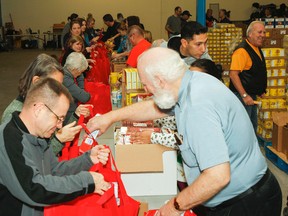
(143, 158)
(280, 119)
(272, 42)
(147, 169)
(118, 66)
(285, 141)
(143, 208)
(279, 33)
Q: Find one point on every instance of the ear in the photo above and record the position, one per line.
(184, 42)
(35, 79)
(161, 82)
(37, 108)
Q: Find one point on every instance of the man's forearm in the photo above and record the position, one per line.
(207, 185)
(234, 77)
(142, 111)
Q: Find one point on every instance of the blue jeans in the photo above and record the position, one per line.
(251, 110)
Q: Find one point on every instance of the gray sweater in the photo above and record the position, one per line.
(33, 177)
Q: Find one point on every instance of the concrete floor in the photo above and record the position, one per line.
(13, 64)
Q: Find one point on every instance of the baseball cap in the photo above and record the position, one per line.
(186, 12)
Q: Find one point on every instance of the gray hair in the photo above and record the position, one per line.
(250, 27)
(76, 61)
(162, 62)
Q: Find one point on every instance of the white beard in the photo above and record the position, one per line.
(164, 99)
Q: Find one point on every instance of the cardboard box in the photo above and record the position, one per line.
(143, 208)
(285, 141)
(280, 119)
(269, 42)
(269, 23)
(147, 169)
(279, 22)
(118, 66)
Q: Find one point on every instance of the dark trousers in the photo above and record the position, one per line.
(266, 201)
(251, 110)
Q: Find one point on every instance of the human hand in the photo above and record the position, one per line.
(83, 109)
(68, 132)
(88, 49)
(101, 123)
(100, 184)
(100, 154)
(168, 209)
(91, 61)
(141, 137)
(248, 100)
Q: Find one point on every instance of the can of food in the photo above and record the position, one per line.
(281, 103)
(259, 130)
(282, 72)
(274, 73)
(268, 124)
(269, 73)
(281, 82)
(273, 92)
(273, 82)
(265, 104)
(281, 92)
(273, 104)
(267, 115)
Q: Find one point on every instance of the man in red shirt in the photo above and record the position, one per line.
(139, 43)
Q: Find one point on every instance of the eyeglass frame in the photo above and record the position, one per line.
(59, 119)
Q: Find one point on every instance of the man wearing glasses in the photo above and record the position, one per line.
(31, 176)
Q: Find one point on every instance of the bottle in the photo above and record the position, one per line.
(214, 24)
(119, 98)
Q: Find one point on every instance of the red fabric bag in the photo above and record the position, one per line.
(94, 204)
(154, 211)
(100, 96)
(73, 149)
(101, 68)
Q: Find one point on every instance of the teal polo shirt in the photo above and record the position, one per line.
(216, 129)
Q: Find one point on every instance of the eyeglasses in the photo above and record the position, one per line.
(59, 119)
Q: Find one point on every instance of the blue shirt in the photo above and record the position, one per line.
(216, 129)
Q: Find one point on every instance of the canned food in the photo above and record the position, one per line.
(282, 72)
(269, 73)
(281, 92)
(268, 124)
(281, 82)
(273, 104)
(273, 82)
(274, 73)
(265, 104)
(267, 115)
(281, 103)
(273, 92)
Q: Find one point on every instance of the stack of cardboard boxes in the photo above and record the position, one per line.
(222, 41)
(275, 97)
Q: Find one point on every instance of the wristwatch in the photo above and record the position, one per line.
(176, 205)
(244, 95)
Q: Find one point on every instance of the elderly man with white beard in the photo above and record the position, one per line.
(218, 146)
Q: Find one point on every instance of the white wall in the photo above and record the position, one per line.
(41, 15)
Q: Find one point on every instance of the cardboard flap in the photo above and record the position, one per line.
(280, 118)
(140, 158)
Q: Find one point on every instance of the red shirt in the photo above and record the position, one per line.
(136, 51)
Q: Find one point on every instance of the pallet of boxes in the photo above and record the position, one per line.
(147, 169)
(272, 115)
(222, 41)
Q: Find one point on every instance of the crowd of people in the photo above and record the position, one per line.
(213, 129)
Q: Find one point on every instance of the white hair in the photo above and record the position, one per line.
(250, 27)
(76, 61)
(163, 62)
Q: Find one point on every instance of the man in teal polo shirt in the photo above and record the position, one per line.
(223, 164)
